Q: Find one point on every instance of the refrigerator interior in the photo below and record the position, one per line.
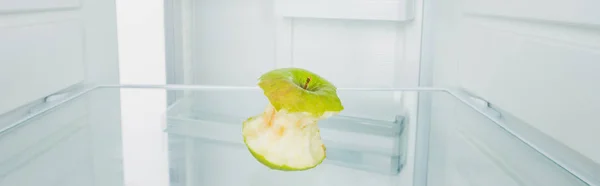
(531, 63)
(526, 61)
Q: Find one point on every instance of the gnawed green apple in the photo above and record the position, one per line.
(286, 135)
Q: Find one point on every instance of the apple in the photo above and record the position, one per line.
(285, 136)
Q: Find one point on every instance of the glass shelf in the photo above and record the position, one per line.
(134, 135)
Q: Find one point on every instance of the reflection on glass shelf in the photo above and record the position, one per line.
(87, 141)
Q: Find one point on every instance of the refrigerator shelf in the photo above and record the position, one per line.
(109, 134)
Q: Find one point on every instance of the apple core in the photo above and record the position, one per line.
(286, 136)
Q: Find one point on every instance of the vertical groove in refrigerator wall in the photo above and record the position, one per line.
(171, 62)
(425, 79)
(177, 55)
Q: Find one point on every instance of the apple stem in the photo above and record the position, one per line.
(306, 84)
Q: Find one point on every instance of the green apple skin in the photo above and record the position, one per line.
(285, 90)
(264, 161)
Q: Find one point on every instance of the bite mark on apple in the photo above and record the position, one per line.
(269, 116)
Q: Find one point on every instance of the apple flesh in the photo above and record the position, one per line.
(286, 135)
(284, 141)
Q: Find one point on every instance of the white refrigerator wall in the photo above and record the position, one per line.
(47, 46)
(537, 60)
(233, 42)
